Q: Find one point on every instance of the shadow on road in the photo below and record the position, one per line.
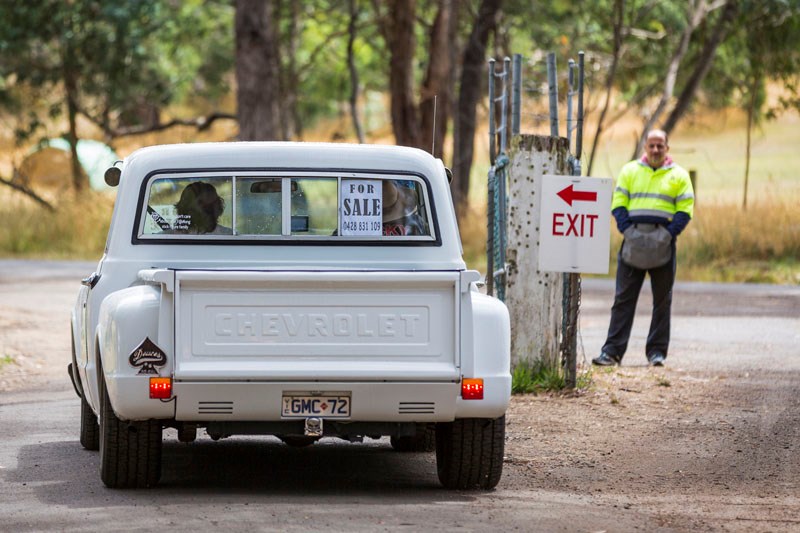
(62, 473)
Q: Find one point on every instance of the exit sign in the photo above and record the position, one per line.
(575, 224)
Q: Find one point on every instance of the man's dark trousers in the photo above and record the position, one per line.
(629, 285)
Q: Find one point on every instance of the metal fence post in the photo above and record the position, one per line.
(492, 130)
(552, 82)
(505, 75)
(570, 94)
(516, 101)
(579, 136)
(572, 281)
(491, 178)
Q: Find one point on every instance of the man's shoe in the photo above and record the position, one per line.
(605, 359)
(656, 359)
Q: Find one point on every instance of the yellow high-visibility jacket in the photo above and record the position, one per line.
(650, 194)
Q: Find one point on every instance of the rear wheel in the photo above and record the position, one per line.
(469, 452)
(423, 441)
(90, 430)
(130, 452)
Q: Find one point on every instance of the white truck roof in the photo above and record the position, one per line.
(346, 160)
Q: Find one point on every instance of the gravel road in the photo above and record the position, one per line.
(710, 442)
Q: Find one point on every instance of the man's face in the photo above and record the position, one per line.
(656, 148)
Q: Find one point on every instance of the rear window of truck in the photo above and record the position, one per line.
(252, 206)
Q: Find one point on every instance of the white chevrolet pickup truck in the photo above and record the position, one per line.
(289, 289)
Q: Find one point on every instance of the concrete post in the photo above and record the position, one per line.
(534, 298)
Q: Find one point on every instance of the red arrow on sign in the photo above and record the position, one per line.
(569, 195)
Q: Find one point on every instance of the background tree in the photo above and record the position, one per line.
(355, 89)
(473, 72)
(105, 60)
(76, 50)
(258, 94)
(768, 42)
(695, 13)
(124, 66)
(436, 93)
(412, 122)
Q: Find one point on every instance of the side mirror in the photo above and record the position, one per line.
(112, 176)
(449, 174)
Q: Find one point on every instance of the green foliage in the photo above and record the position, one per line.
(193, 49)
(113, 58)
(6, 360)
(535, 376)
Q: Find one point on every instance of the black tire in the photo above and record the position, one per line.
(469, 452)
(90, 430)
(130, 452)
(423, 441)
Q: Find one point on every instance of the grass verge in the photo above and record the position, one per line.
(533, 377)
(77, 228)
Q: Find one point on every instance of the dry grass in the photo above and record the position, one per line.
(723, 243)
(726, 243)
(473, 229)
(76, 229)
(760, 244)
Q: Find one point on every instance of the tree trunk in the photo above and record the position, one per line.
(291, 125)
(351, 66)
(473, 72)
(751, 112)
(437, 88)
(697, 11)
(402, 43)
(533, 297)
(619, 13)
(703, 65)
(71, 90)
(257, 71)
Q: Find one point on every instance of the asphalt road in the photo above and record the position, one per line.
(48, 482)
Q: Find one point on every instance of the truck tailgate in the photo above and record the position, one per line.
(317, 326)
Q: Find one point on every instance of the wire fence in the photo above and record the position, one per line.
(503, 86)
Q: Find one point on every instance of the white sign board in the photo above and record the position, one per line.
(361, 207)
(574, 231)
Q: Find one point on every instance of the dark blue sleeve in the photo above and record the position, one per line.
(622, 218)
(679, 222)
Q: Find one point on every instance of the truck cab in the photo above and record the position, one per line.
(297, 290)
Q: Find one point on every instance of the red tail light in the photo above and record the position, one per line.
(161, 388)
(472, 388)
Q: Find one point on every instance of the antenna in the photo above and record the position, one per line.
(433, 133)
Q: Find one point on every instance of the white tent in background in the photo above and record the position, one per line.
(94, 156)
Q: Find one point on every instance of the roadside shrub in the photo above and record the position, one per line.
(536, 376)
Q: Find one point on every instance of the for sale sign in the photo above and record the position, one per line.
(361, 207)
(575, 224)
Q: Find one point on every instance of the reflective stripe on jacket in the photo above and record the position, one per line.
(659, 193)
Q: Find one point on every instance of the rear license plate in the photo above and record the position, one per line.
(303, 405)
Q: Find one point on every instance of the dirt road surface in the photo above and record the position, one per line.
(711, 442)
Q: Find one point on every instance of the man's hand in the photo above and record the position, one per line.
(679, 222)
(622, 218)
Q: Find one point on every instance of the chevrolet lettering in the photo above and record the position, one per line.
(321, 324)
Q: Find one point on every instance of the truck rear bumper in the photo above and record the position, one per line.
(384, 402)
(204, 401)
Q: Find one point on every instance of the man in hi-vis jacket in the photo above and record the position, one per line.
(652, 204)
